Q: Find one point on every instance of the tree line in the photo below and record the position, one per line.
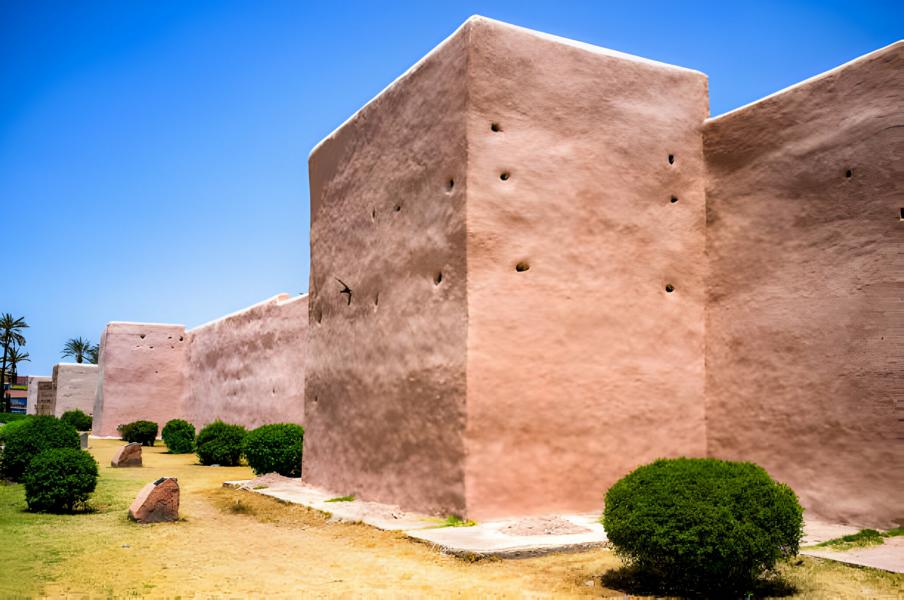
(12, 339)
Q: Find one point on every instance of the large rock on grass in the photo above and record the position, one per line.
(127, 456)
(157, 502)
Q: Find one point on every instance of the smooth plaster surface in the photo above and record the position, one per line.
(74, 387)
(805, 326)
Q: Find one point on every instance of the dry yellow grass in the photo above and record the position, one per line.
(238, 544)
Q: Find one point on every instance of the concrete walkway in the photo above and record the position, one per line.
(531, 536)
(504, 538)
(888, 556)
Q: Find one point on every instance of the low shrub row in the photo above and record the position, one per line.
(10, 417)
(26, 438)
(274, 448)
(78, 419)
(270, 448)
(143, 432)
(220, 444)
(59, 479)
(179, 436)
(43, 453)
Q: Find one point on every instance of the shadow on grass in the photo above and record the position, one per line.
(631, 580)
(82, 509)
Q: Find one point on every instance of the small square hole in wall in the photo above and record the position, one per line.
(901, 214)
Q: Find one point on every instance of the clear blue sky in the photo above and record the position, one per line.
(153, 155)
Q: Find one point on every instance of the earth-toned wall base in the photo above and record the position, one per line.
(74, 387)
(805, 330)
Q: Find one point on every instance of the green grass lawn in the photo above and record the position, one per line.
(236, 544)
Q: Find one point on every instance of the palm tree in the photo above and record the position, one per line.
(78, 348)
(10, 337)
(94, 354)
(14, 357)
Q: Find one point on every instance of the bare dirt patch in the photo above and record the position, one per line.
(543, 526)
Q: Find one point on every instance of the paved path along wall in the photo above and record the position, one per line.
(74, 387)
(248, 367)
(502, 217)
(805, 332)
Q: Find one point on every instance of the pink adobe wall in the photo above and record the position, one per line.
(805, 321)
(491, 392)
(143, 375)
(582, 367)
(248, 367)
(385, 373)
(74, 386)
(695, 287)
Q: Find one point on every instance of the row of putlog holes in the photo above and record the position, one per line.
(522, 265)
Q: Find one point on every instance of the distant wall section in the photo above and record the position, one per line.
(144, 369)
(31, 401)
(74, 387)
(248, 367)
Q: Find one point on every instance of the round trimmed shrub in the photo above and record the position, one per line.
(78, 419)
(275, 448)
(143, 432)
(59, 479)
(25, 439)
(219, 443)
(701, 525)
(179, 436)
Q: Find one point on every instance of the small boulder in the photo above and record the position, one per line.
(127, 456)
(158, 501)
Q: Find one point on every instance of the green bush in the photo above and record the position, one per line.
(275, 448)
(700, 525)
(179, 436)
(10, 417)
(220, 444)
(143, 432)
(25, 439)
(59, 479)
(9, 427)
(78, 419)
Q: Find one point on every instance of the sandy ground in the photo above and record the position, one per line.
(235, 544)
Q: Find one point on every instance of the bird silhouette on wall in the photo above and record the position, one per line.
(345, 290)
